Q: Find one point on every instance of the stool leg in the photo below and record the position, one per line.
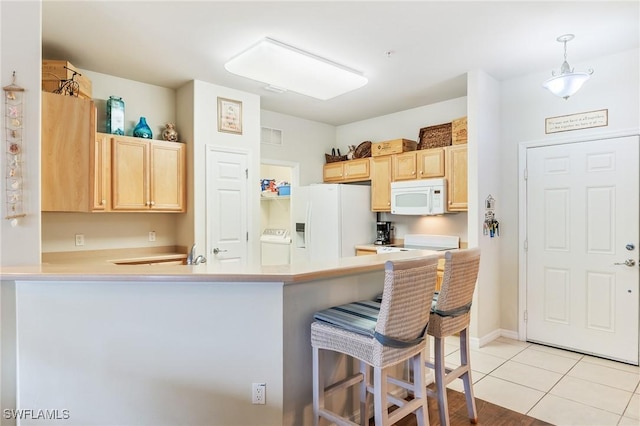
(466, 376)
(318, 386)
(365, 397)
(441, 387)
(419, 389)
(380, 396)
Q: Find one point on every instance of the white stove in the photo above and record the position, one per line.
(424, 242)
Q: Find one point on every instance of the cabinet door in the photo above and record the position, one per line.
(456, 173)
(68, 134)
(355, 170)
(404, 166)
(381, 184)
(129, 174)
(332, 172)
(167, 170)
(100, 168)
(430, 163)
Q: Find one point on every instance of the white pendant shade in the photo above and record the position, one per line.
(565, 85)
(567, 82)
(283, 66)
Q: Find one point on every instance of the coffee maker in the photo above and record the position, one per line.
(383, 233)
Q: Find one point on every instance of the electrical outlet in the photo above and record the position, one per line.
(259, 393)
(152, 235)
(79, 239)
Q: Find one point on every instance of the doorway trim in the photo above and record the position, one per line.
(522, 207)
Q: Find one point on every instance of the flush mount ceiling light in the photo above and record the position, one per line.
(283, 66)
(567, 82)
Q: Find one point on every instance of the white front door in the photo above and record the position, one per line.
(582, 225)
(227, 205)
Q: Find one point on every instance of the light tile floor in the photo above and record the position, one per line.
(557, 386)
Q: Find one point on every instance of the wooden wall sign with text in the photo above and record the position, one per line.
(583, 120)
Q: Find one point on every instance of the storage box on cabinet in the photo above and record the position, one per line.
(346, 171)
(54, 71)
(74, 171)
(395, 146)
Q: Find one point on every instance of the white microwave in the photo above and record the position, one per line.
(419, 197)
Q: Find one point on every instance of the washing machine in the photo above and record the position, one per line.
(275, 247)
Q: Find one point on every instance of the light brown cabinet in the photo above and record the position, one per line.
(74, 170)
(420, 164)
(430, 163)
(381, 168)
(456, 175)
(147, 175)
(403, 166)
(346, 171)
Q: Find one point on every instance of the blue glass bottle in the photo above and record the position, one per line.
(142, 129)
(115, 115)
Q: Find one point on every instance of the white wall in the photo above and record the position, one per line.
(198, 100)
(157, 104)
(483, 181)
(119, 230)
(406, 125)
(21, 46)
(524, 106)
(304, 142)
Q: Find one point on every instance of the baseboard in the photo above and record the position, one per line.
(478, 342)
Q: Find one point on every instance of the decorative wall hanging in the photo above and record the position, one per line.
(490, 226)
(229, 116)
(13, 124)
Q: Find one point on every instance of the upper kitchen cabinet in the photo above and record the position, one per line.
(404, 166)
(430, 163)
(381, 183)
(147, 175)
(456, 175)
(74, 163)
(420, 164)
(346, 171)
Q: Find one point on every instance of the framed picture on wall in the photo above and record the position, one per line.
(229, 116)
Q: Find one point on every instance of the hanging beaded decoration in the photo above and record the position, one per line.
(13, 99)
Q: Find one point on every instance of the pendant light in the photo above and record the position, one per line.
(567, 82)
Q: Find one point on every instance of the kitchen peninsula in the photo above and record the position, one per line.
(173, 344)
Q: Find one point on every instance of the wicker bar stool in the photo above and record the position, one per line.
(450, 314)
(379, 335)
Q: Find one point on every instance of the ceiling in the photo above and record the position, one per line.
(433, 44)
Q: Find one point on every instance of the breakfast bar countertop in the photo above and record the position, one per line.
(207, 272)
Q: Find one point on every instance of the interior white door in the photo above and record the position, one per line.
(582, 225)
(227, 197)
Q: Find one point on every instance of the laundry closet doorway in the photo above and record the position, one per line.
(581, 236)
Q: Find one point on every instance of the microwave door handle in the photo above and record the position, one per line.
(430, 200)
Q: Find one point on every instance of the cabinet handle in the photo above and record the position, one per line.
(153, 203)
(147, 203)
(103, 202)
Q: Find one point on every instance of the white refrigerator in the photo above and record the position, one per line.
(329, 220)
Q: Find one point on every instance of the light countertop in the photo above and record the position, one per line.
(208, 272)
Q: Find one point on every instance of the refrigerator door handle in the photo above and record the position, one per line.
(307, 233)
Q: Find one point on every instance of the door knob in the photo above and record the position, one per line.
(628, 262)
(217, 250)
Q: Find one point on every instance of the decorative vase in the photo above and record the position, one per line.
(115, 115)
(170, 133)
(142, 129)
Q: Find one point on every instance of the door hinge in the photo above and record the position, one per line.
(526, 174)
(247, 235)
(526, 316)
(246, 173)
(526, 245)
